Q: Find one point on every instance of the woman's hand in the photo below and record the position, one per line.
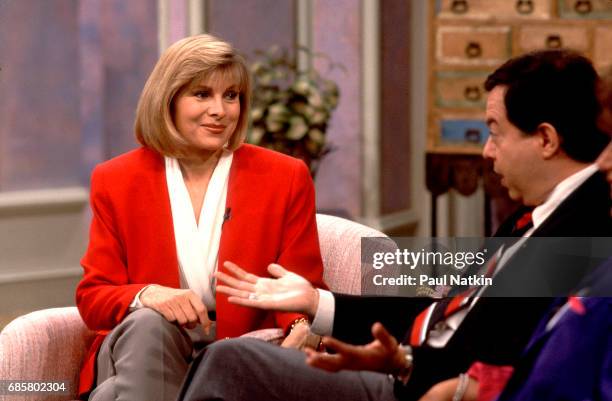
(177, 305)
(301, 337)
(381, 355)
(287, 292)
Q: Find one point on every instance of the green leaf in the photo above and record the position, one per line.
(301, 87)
(317, 136)
(332, 102)
(315, 99)
(265, 78)
(256, 114)
(297, 128)
(273, 126)
(256, 134)
(319, 117)
(278, 111)
(257, 67)
(303, 108)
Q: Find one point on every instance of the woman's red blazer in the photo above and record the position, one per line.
(271, 208)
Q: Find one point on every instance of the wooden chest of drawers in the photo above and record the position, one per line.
(470, 38)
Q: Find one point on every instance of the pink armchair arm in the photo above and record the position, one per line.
(45, 345)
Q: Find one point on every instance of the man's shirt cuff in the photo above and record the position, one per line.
(323, 321)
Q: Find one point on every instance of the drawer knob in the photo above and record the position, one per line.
(554, 42)
(473, 50)
(459, 6)
(583, 6)
(472, 93)
(524, 6)
(472, 135)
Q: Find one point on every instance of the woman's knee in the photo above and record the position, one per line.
(145, 331)
(147, 322)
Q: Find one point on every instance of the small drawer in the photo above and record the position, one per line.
(594, 9)
(473, 46)
(461, 89)
(463, 132)
(602, 54)
(490, 9)
(553, 37)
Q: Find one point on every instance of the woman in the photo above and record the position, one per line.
(166, 216)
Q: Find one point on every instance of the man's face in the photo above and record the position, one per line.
(514, 153)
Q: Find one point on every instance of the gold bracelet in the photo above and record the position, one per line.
(298, 321)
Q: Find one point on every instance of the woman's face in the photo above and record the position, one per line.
(206, 114)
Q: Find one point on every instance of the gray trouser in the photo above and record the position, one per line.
(249, 369)
(144, 358)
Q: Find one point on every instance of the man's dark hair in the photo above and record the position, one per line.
(558, 87)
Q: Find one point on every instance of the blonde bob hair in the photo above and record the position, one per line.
(188, 62)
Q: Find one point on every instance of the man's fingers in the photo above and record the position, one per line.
(235, 283)
(331, 363)
(337, 345)
(238, 272)
(381, 334)
(277, 270)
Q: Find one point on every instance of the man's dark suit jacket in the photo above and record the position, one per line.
(496, 330)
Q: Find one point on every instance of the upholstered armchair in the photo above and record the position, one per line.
(50, 344)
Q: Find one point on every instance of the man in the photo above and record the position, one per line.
(541, 112)
(580, 326)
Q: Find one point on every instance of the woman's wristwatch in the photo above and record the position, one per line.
(403, 375)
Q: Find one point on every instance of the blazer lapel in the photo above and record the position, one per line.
(161, 225)
(236, 203)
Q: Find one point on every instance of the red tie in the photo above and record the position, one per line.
(523, 224)
(443, 309)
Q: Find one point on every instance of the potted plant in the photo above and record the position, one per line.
(291, 108)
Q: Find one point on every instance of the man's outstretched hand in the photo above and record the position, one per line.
(381, 355)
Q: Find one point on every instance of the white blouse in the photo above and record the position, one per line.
(197, 242)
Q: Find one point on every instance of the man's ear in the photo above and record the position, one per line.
(549, 140)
